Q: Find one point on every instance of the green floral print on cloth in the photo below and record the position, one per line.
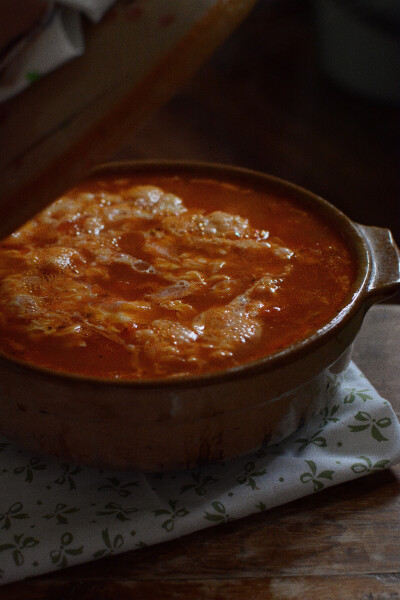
(54, 515)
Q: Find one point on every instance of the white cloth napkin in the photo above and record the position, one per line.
(60, 40)
(54, 515)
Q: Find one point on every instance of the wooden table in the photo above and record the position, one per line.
(342, 543)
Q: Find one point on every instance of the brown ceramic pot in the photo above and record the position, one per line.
(179, 423)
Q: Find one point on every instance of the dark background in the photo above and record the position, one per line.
(264, 102)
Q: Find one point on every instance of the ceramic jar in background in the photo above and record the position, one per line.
(359, 46)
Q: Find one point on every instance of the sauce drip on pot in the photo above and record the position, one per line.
(138, 277)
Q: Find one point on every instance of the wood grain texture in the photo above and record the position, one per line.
(368, 587)
(377, 350)
(342, 543)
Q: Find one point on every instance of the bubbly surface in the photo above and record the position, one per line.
(139, 277)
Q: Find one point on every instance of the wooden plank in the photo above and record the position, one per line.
(368, 587)
(377, 350)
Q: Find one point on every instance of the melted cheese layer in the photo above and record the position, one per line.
(126, 278)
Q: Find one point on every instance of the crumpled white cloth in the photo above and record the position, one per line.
(94, 9)
(59, 40)
(54, 515)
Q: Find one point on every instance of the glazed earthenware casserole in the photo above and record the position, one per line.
(165, 314)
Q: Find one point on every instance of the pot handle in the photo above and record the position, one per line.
(384, 280)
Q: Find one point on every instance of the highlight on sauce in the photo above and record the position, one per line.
(145, 276)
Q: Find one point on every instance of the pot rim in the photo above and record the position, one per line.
(352, 304)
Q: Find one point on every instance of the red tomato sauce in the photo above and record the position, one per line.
(139, 277)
